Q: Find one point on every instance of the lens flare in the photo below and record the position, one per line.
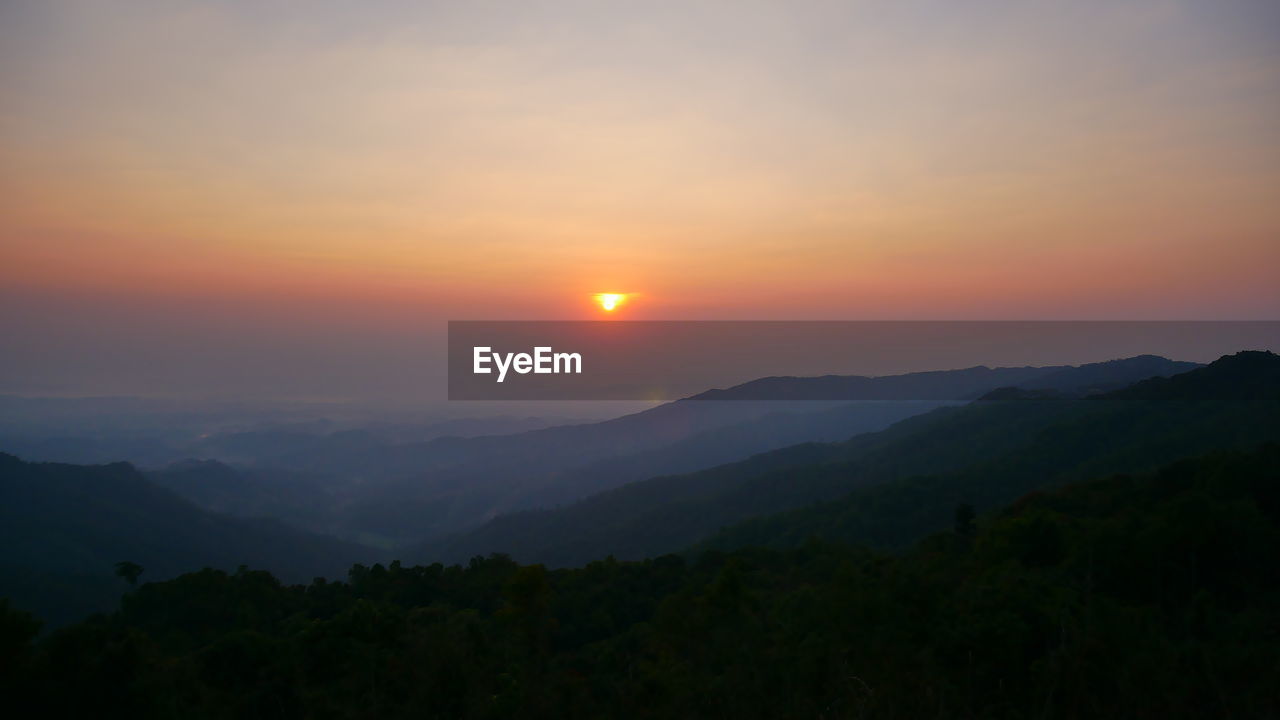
(610, 301)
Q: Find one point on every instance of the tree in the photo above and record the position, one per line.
(129, 571)
(964, 520)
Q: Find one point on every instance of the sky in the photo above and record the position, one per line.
(291, 197)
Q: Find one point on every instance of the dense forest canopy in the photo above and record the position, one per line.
(1153, 595)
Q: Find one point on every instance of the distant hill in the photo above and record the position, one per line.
(308, 501)
(373, 484)
(1232, 404)
(451, 484)
(64, 527)
(906, 480)
(950, 385)
(1105, 376)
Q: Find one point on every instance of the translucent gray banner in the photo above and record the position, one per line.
(666, 360)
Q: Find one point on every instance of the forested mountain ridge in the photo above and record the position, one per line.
(64, 527)
(1149, 595)
(425, 490)
(906, 479)
(963, 384)
(1233, 403)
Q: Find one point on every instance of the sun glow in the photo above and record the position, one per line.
(610, 301)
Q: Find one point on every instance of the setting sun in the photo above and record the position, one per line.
(610, 301)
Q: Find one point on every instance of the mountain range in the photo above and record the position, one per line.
(426, 490)
(893, 486)
(66, 526)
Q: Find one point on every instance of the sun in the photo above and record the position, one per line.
(610, 301)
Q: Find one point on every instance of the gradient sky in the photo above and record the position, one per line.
(268, 183)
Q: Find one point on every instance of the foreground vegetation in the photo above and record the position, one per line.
(1131, 596)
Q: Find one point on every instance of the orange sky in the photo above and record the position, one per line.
(741, 159)
(377, 163)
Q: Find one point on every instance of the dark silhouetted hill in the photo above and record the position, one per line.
(892, 487)
(951, 385)
(64, 527)
(455, 484)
